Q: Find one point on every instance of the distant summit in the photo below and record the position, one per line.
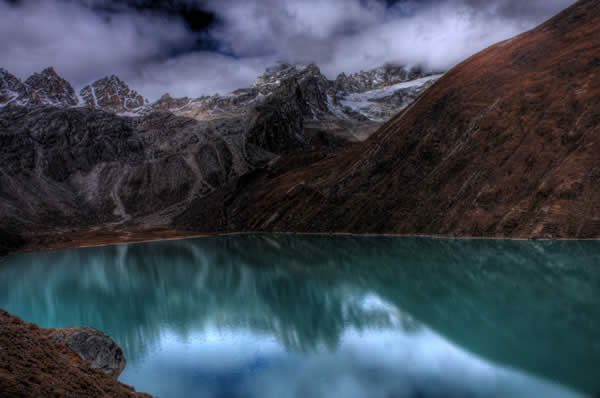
(48, 88)
(367, 95)
(112, 94)
(45, 88)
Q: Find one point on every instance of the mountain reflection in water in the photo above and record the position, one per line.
(271, 315)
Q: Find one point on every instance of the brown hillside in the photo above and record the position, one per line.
(506, 144)
(32, 364)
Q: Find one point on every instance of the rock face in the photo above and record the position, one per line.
(48, 88)
(166, 102)
(504, 145)
(386, 75)
(45, 88)
(79, 167)
(113, 95)
(93, 347)
(34, 365)
(349, 98)
(11, 88)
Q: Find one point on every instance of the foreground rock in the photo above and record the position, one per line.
(93, 347)
(35, 365)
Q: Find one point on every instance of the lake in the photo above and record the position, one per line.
(277, 315)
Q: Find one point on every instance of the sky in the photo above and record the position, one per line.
(202, 47)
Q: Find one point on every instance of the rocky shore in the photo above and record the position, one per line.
(71, 362)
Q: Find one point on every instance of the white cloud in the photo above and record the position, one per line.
(339, 35)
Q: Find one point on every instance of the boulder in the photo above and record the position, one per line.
(94, 347)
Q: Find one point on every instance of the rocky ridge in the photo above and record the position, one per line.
(45, 88)
(68, 166)
(113, 95)
(329, 100)
(110, 94)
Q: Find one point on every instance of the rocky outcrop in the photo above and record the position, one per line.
(358, 98)
(45, 88)
(166, 102)
(384, 76)
(79, 167)
(35, 365)
(11, 87)
(113, 95)
(48, 88)
(93, 346)
(504, 145)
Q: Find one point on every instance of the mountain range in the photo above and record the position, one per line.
(109, 159)
(503, 145)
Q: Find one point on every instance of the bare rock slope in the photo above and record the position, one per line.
(504, 145)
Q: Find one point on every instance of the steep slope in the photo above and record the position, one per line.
(37, 362)
(76, 168)
(504, 145)
(66, 167)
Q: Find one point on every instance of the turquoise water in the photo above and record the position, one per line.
(272, 315)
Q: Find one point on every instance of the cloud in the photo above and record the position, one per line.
(199, 73)
(348, 35)
(81, 44)
(143, 47)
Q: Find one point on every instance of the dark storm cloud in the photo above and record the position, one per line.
(194, 47)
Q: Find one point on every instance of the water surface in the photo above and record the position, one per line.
(272, 315)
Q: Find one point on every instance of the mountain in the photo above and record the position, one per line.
(374, 95)
(503, 145)
(113, 95)
(48, 88)
(354, 97)
(45, 88)
(67, 164)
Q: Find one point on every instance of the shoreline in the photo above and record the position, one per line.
(101, 238)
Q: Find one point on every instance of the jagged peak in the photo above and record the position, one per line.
(4, 71)
(48, 88)
(112, 94)
(49, 71)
